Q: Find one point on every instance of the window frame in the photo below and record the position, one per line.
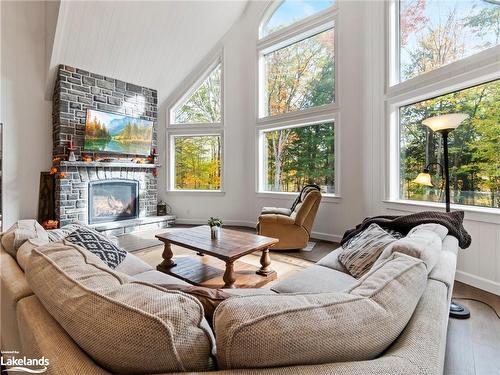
(297, 123)
(474, 70)
(310, 26)
(171, 136)
(193, 85)
(195, 129)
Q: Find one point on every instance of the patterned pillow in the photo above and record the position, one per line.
(109, 253)
(361, 252)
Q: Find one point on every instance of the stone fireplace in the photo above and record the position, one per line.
(113, 200)
(84, 188)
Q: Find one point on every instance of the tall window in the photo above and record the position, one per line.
(434, 33)
(297, 84)
(195, 133)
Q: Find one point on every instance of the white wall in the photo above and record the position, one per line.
(240, 204)
(24, 112)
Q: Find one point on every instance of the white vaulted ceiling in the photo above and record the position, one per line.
(154, 44)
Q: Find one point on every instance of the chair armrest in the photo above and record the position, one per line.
(277, 219)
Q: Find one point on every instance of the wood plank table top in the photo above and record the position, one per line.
(231, 245)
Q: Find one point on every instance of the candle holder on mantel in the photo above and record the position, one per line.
(71, 149)
(71, 156)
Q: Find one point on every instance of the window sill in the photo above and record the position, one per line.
(326, 198)
(197, 192)
(483, 214)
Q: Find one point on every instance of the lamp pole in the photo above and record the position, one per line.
(444, 124)
(445, 133)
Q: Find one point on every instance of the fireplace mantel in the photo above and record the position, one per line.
(98, 164)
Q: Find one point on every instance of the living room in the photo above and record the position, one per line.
(299, 155)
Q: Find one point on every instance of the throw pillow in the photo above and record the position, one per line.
(97, 244)
(59, 234)
(360, 253)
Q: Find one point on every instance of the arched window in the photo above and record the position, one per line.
(297, 97)
(287, 12)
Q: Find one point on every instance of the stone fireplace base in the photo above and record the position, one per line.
(71, 193)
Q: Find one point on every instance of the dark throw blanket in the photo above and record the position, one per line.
(451, 220)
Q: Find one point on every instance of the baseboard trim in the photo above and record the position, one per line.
(326, 236)
(478, 282)
(239, 223)
(251, 224)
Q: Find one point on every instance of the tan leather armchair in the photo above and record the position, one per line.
(292, 228)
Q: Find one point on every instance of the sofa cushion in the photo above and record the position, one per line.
(332, 261)
(126, 326)
(24, 252)
(315, 279)
(19, 233)
(423, 242)
(133, 265)
(99, 245)
(360, 253)
(321, 328)
(157, 277)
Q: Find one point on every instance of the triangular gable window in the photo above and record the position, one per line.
(203, 104)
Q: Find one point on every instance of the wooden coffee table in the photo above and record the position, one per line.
(229, 247)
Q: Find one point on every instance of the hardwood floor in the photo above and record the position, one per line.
(473, 345)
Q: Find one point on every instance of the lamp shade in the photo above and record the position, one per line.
(445, 122)
(423, 178)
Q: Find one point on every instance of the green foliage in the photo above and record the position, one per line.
(132, 132)
(301, 75)
(204, 105)
(215, 222)
(94, 130)
(300, 156)
(197, 162)
(474, 147)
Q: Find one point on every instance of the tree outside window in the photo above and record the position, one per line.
(434, 33)
(474, 147)
(197, 162)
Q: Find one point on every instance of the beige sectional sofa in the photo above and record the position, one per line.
(319, 320)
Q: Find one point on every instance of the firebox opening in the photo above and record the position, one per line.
(113, 200)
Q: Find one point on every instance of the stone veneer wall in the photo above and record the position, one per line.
(75, 91)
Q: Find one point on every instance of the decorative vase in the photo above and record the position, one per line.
(72, 156)
(215, 232)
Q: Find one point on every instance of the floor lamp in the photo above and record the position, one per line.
(443, 125)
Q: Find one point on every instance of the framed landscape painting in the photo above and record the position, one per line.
(119, 134)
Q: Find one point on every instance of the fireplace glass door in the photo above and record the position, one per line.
(113, 200)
